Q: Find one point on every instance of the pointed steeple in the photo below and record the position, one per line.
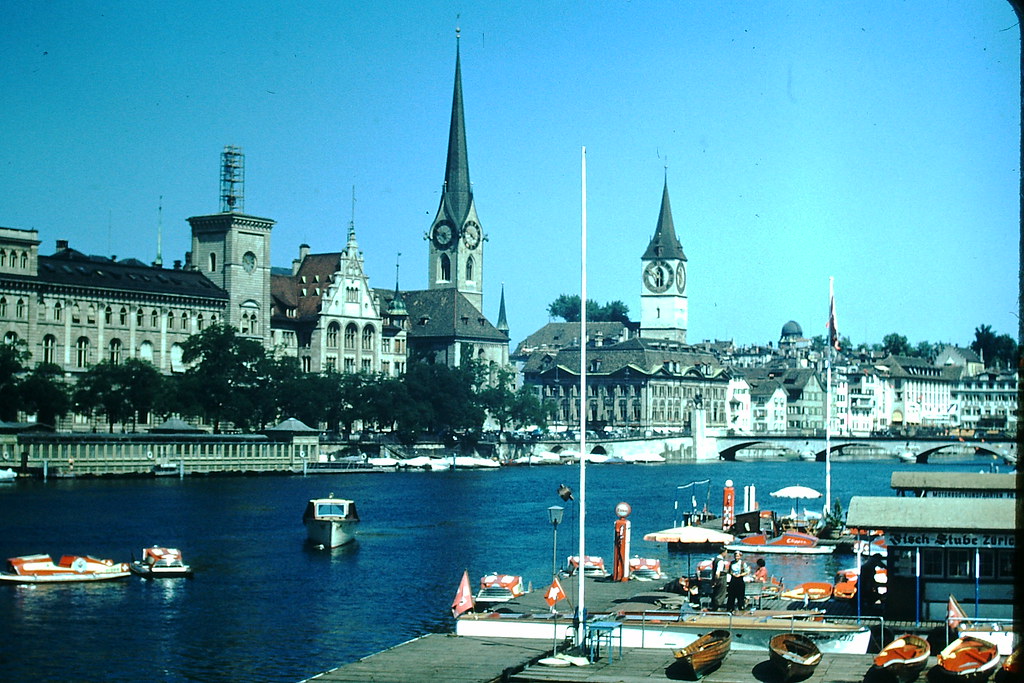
(457, 193)
(397, 306)
(502, 325)
(665, 244)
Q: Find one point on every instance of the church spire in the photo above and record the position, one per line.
(665, 244)
(458, 193)
(502, 325)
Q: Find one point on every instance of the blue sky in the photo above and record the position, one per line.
(874, 142)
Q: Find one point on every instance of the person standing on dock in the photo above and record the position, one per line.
(738, 572)
(719, 580)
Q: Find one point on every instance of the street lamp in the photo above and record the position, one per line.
(555, 517)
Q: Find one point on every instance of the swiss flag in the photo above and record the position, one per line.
(554, 593)
(463, 598)
(954, 613)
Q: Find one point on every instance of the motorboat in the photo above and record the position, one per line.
(70, 568)
(967, 660)
(810, 591)
(330, 522)
(498, 588)
(903, 658)
(7, 475)
(592, 566)
(473, 462)
(790, 542)
(702, 655)
(645, 569)
(161, 563)
(795, 656)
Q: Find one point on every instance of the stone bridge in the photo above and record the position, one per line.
(919, 450)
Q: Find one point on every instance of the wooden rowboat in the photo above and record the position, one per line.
(793, 655)
(967, 660)
(904, 658)
(702, 655)
(812, 591)
(1011, 668)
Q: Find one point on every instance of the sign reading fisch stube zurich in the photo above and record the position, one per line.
(941, 539)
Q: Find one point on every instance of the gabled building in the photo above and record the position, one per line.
(922, 392)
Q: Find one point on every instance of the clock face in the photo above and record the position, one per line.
(443, 235)
(471, 233)
(658, 276)
(249, 261)
(681, 277)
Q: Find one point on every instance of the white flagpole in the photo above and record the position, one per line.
(580, 604)
(828, 400)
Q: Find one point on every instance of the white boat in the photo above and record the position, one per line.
(592, 566)
(498, 588)
(7, 475)
(331, 521)
(161, 563)
(71, 568)
(466, 462)
(671, 630)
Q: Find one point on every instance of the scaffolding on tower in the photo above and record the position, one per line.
(232, 180)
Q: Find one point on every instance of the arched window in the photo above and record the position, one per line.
(140, 315)
(91, 315)
(108, 315)
(24, 259)
(42, 309)
(200, 323)
(49, 349)
(154, 319)
(146, 351)
(76, 314)
(170, 320)
(3, 257)
(446, 268)
(350, 337)
(184, 321)
(469, 269)
(369, 336)
(19, 312)
(114, 349)
(123, 316)
(11, 338)
(58, 312)
(213, 262)
(177, 365)
(82, 352)
(332, 335)
(3, 306)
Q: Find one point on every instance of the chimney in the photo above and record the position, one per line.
(297, 263)
(62, 245)
(177, 264)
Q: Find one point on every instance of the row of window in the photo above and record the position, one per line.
(956, 563)
(13, 259)
(369, 337)
(83, 356)
(446, 268)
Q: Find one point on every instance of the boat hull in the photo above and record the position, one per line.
(966, 660)
(70, 569)
(148, 572)
(330, 533)
(902, 660)
(794, 656)
(704, 655)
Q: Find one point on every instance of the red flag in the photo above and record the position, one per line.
(554, 593)
(463, 598)
(954, 613)
(833, 330)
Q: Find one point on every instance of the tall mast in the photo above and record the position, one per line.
(580, 609)
(833, 331)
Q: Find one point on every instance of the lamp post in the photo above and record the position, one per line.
(555, 517)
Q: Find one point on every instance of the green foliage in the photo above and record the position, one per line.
(225, 377)
(104, 389)
(997, 351)
(44, 393)
(567, 307)
(510, 407)
(895, 344)
(13, 356)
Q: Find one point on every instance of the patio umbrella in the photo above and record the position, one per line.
(689, 534)
(796, 492)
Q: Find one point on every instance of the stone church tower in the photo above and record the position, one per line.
(663, 303)
(455, 239)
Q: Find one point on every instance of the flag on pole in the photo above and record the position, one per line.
(833, 330)
(554, 593)
(463, 598)
(954, 613)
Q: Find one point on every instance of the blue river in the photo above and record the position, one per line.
(264, 606)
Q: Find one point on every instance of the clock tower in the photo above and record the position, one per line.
(663, 303)
(455, 239)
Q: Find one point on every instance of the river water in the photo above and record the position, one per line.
(264, 606)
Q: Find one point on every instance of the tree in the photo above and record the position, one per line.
(895, 344)
(567, 307)
(13, 356)
(984, 343)
(43, 392)
(926, 350)
(994, 350)
(223, 380)
(144, 385)
(104, 389)
(445, 396)
(511, 407)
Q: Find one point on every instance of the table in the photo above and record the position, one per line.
(598, 632)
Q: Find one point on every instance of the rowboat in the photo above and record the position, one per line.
(811, 591)
(702, 655)
(904, 658)
(967, 660)
(644, 568)
(70, 568)
(495, 588)
(793, 655)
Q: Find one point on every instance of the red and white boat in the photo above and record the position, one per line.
(811, 591)
(41, 569)
(967, 659)
(790, 542)
(645, 568)
(161, 563)
(495, 588)
(592, 565)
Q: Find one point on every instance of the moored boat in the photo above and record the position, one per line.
(790, 542)
(967, 660)
(497, 588)
(1011, 668)
(795, 656)
(645, 568)
(903, 659)
(70, 568)
(810, 591)
(161, 563)
(7, 475)
(703, 655)
(330, 522)
(592, 566)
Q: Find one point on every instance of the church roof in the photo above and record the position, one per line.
(71, 268)
(446, 313)
(665, 244)
(457, 194)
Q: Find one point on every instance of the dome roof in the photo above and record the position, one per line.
(792, 329)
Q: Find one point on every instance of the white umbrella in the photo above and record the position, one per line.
(796, 492)
(689, 534)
